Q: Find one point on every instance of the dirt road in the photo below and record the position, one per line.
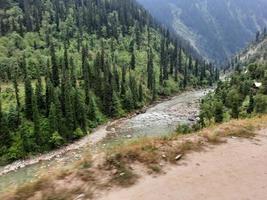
(236, 170)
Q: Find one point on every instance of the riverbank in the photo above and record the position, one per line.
(122, 165)
(162, 117)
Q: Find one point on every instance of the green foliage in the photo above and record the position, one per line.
(78, 133)
(74, 64)
(184, 129)
(56, 139)
(261, 103)
(238, 97)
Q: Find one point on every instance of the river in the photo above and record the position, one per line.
(160, 119)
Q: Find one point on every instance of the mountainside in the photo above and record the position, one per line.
(69, 65)
(255, 52)
(244, 93)
(217, 28)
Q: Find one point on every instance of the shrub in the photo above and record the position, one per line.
(184, 129)
(56, 139)
(261, 103)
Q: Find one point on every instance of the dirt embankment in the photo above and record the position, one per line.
(236, 170)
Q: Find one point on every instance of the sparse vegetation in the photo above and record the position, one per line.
(117, 165)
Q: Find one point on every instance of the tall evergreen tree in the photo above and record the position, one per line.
(36, 120)
(55, 70)
(150, 70)
(16, 88)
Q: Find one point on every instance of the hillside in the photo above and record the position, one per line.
(255, 52)
(218, 29)
(68, 66)
(244, 93)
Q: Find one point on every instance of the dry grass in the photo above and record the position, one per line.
(116, 165)
(244, 128)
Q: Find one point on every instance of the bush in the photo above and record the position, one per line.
(261, 103)
(56, 139)
(78, 133)
(184, 129)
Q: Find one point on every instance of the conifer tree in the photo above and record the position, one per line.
(52, 118)
(185, 80)
(132, 51)
(36, 120)
(39, 94)
(28, 98)
(16, 88)
(72, 73)
(140, 93)
(79, 111)
(175, 61)
(180, 60)
(150, 70)
(55, 70)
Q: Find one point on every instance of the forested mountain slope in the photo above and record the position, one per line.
(256, 51)
(244, 94)
(68, 65)
(217, 28)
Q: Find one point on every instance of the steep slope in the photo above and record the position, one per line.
(217, 28)
(69, 65)
(255, 52)
(244, 93)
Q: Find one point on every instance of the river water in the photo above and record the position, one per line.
(161, 119)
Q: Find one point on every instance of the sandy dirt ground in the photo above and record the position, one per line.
(236, 170)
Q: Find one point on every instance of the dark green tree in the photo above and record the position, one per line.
(55, 70)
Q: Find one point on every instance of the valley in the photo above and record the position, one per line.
(179, 109)
(133, 99)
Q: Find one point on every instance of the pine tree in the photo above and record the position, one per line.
(79, 111)
(134, 90)
(116, 79)
(52, 118)
(128, 102)
(116, 107)
(132, 64)
(49, 95)
(190, 64)
(55, 71)
(85, 66)
(36, 121)
(72, 73)
(28, 98)
(196, 68)
(140, 93)
(132, 51)
(180, 60)
(150, 70)
(185, 80)
(39, 94)
(123, 82)
(175, 61)
(16, 88)
(60, 126)
(162, 60)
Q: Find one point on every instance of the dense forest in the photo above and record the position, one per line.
(67, 66)
(244, 93)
